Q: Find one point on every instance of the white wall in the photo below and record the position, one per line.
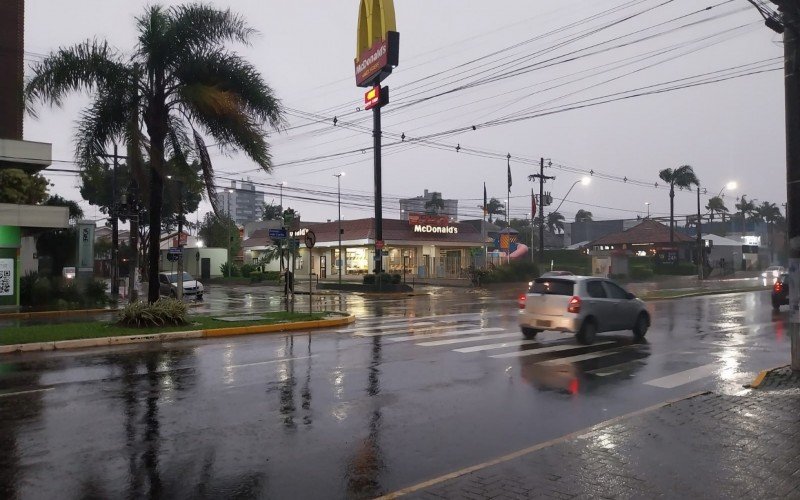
(191, 265)
(27, 251)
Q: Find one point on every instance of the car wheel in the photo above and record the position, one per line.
(641, 325)
(530, 333)
(587, 332)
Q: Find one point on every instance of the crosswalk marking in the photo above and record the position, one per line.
(409, 330)
(448, 334)
(544, 350)
(473, 339)
(684, 377)
(437, 317)
(489, 347)
(614, 369)
(387, 327)
(580, 357)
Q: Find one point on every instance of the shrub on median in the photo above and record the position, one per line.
(163, 312)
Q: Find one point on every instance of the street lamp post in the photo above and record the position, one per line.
(339, 197)
(648, 208)
(283, 183)
(729, 186)
(585, 181)
(230, 236)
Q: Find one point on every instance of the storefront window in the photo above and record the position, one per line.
(357, 261)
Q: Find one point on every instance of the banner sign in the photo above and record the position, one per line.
(85, 245)
(429, 220)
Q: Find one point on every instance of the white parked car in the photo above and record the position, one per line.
(583, 305)
(773, 272)
(168, 285)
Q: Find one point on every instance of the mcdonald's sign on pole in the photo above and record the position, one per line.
(377, 43)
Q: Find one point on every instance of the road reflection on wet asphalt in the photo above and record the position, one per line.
(417, 387)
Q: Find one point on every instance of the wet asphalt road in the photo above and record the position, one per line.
(417, 387)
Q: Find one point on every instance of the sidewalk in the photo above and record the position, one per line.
(705, 446)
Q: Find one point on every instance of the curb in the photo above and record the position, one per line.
(531, 449)
(761, 376)
(171, 336)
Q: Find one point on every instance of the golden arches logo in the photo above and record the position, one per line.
(377, 42)
(375, 20)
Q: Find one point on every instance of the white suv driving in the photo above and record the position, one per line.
(582, 305)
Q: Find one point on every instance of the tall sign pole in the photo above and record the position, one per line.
(542, 178)
(377, 54)
(789, 24)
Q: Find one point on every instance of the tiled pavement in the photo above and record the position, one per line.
(706, 446)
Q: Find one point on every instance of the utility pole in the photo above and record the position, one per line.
(700, 251)
(376, 134)
(542, 179)
(114, 231)
(179, 293)
(790, 17)
(133, 217)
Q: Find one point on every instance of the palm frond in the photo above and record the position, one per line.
(666, 175)
(221, 114)
(197, 26)
(104, 121)
(230, 73)
(81, 67)
(208, 172)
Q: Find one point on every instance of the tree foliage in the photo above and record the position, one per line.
(435, 205)
(272, 212)
(179, 83)
(219, 231)
(494, 207)
(682, 177)
(20, 188)
(583, 216)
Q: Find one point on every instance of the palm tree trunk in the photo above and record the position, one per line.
(156, 202)
(672, 221)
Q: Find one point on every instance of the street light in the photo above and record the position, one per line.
(230, 237)
(585, 181)
(731, 186)
(339, 195)
(648, 208)
(283, 183)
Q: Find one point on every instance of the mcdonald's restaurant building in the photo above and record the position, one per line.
(429, 248)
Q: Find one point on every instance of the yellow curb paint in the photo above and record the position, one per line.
(761, 376)
(573, 435)
(281, 327)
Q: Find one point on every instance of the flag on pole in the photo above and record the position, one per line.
(533, 205)
(509, 173)
(485, 203)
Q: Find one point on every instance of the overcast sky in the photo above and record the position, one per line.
(521, 59)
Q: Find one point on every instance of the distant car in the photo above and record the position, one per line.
(773, 272)
(550, 274)
(583, 305)
(780, 292)
(168, 285)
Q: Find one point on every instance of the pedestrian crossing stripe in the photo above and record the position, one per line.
(545, 350)
(387, 327)
(410, 329)
(473, 339)
(448, 334)
(684, 377)
(489, 347)
(581, 357)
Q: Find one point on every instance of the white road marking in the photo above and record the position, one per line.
(386, 327)
(580, 357)
(439, 317)
(454, 333)
(684, 377)
(543, 350)
(20, 393)
(489, 347)
(271, 361)
(473, 339)
(409, 330)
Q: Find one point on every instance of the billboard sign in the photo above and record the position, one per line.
(377, 42)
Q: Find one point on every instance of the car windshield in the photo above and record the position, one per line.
(552, 287)
(173, 278)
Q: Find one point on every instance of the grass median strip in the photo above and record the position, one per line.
(54, 332)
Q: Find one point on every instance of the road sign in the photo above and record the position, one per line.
(311, 239)
(379, 244)
(278, 233)
(175, 250)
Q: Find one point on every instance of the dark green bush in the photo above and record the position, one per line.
(383, 279)
(396, 279)
(26, 284)
(369, 279)
(641, 273)
(71, 294)
(247, 269)
(234, 271)
(163, 312)
(96, 293)
(515, 272)
(680, 269)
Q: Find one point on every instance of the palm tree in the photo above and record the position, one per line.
(179, 81)
(435, 205)
(494, 207)
(747, 209)
(682, 177)
(716, 205)
(583, 216)
(555, 222)
(771, 214)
